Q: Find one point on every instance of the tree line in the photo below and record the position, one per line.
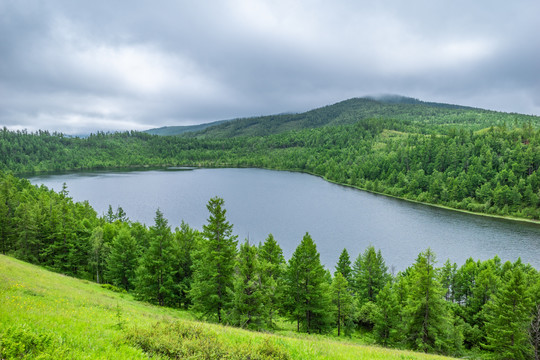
(482, 308)
(495, 170)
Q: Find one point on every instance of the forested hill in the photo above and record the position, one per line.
(393, 107)
(177, 130)
(463, 158)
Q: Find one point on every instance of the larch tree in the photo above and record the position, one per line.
(370, 274)
(343, 303)
(155, 272)
(508, 317)
(343, 266)
(249, 298)
(426, 313)
(213, 264)
(273, 266)
(307, 294)
(122, 260)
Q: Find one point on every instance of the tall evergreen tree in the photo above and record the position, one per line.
(122, 260)
(427, 315)
(186, 240)
(307, 298)
(98, 255)
(214, 264)
(508, 317)
(387, 318)
(344, 266)
(155, 272)
(370, 274)
(249, 297)
(343, 303)
(273, 266)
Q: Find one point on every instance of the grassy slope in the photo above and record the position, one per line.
(69, 318)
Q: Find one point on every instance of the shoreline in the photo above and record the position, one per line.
(194, 167)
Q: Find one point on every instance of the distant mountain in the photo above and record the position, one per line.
(177, 130)
(394, 107)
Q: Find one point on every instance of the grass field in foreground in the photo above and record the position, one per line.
(44, 315)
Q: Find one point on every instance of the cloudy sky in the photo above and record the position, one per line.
(82, 66)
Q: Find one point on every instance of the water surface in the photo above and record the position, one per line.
(288, 205)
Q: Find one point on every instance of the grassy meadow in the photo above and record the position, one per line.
(44, 315)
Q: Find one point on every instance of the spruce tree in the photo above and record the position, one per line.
(508, 317)
(155, 272)
(249, 297)
(122, 260)
(214, 264)
(307, 298)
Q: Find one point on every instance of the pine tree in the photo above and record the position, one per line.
(507, 318)
(426, 313)
(370, 274)
(343, 303)
(122, 260)
(155, 272)
(214, 264)
(307, 297)
(344, 266)
(249, 298)
(273, 266)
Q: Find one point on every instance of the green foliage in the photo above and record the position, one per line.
(154, 281)
(306, 290)
(273, 267)
(344, 266)
(249, 297)
(213, 264)
(387, 324)
(370, 274)
(343, 304)
(122, 260)
(21, 342)
(508, 317)
(428, 322)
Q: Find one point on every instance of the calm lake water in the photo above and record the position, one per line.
(288, 205)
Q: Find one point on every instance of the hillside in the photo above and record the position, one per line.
(396, 108)
(178, 130)
(50, 316)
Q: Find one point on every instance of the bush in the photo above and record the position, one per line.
(22, 342)
(182, 340)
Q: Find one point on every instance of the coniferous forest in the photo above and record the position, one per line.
(457, 157)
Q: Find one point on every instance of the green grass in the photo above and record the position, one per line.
(44, 315)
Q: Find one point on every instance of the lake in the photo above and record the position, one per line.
(289, 204)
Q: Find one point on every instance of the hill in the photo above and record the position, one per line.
(177, 130)
(50, 316)
(396, 108)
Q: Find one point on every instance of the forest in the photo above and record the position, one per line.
(463, 158)
(480, 309)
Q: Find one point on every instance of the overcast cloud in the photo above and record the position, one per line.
(83, 66)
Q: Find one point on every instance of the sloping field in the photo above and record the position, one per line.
(44, 315)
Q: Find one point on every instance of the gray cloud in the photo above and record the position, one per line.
(80, 67)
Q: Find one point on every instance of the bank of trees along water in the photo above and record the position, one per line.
(495, 170)
(481, 308)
